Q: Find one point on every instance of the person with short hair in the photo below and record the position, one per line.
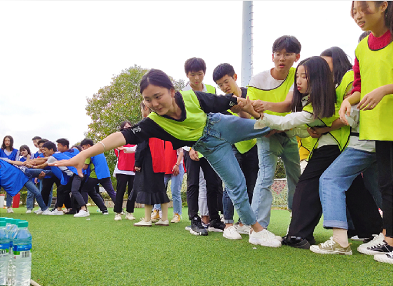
(272, 91)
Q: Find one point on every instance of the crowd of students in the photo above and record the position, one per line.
(328, 121)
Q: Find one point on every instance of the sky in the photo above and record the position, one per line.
(56, 54)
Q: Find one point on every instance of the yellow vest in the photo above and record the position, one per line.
(277, 94)
(325, 122)
(376, 69)
(341, 90)
(305, 146)
(210, 89)
(191, 128)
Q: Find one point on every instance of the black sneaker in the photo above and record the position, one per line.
(216, 225)
(296, 242)
(197, 228)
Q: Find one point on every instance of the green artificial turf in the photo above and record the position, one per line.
(100, 251)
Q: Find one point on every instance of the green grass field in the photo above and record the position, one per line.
(100, 251)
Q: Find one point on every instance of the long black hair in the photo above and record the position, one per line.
(320, 88)
(11, 142)
(341, 64)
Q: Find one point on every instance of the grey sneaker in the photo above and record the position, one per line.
(331, 247)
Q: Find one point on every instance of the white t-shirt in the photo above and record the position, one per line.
(264, 80)
(188, 87)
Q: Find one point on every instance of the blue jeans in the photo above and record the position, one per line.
(249, 165)
(177, 181)
(220, 133)
(337, 179)
(33, 189)
(269, 149)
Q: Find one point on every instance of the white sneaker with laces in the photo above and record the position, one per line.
(28, 211)
(366, 248)
(57, 212)
(46, 212)
(130, 216)
(231, 233)
(242, 229)
(82, 213)
(118, 217)
(264, 238)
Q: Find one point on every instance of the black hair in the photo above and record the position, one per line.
(42, 141)
(87, 141)
(388, 13)
(124, 124)
(222, 70)
(194, 65)
(77, 147)
(320, 88)
(11, 142)
(24, 147)
(363, 35)
(36, 138)
(289, 43)
(63, 142)
(341, 64)
(157, 78)
(50, 146)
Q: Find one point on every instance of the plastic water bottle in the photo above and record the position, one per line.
(11, 230)
(4, 253)
(21, 259)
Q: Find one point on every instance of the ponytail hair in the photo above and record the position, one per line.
(320, 88)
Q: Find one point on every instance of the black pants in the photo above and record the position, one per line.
(249, 164)
(384, 151)
(122, 181)
(47, 184)
(106, 183)
(89, 189)
(213, 186)
(307, 208)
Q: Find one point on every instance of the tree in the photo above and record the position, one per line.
(116, 103)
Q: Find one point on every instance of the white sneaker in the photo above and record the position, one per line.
(385, 258)
(176, 218)
(82, 213)
(130, 216)
(162, 222)
(242, 229)
(28, 211)
(10, 210)
(264, 238)
(231, 233)
(57, 212)
(37, 210)
(367, 248)
(143, 223)
(46, 212)
(118, 217)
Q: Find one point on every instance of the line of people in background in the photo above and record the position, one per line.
(322, 107)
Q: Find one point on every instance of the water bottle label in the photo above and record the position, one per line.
(4, 246)
(17, 248)
(21, 254)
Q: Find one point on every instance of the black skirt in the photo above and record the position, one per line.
(149, 186)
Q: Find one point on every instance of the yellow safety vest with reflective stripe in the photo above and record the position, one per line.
(376, 70)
